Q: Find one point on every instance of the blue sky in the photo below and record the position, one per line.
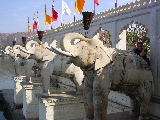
(14, 13)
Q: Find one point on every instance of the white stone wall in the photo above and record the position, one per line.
(116, 20)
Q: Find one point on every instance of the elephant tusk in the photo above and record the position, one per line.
(11, 51)
(23, 50)
(59, 51)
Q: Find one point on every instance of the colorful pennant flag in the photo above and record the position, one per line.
(79, 5)
(29, 27)
(54, 15)
(65, 9)
(96, 2)
(48, 19)
(34, 23)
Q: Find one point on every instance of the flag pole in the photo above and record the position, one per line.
(28, 24)
(45, 19)
(37, 22)
(75, 12)
(94, 7)
(116, 4)
(74, 17)
(52, 12)
(62, 15)
(33, 21)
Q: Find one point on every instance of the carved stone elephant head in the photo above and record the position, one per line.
(26, 62)
(21, 51)
(14, 55)
(9, 50)
(107, 69)
(39, 51)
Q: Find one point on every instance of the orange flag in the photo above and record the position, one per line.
(48, 19)
(79, 5)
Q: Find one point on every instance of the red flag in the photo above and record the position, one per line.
(54, 15)
(96, 2)
(35, 25)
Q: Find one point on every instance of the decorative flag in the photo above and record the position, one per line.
(29, 27)
(34, 23)
(79, 5)
(65, 9)
(48, 19)
(96, 2)
(54, 15)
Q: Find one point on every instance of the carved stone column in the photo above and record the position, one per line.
(155, 59)
(30, 103)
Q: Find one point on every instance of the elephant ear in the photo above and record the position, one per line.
(54, 43)
(7, 49)
(31, 46)
(102, 59)
(47, 54)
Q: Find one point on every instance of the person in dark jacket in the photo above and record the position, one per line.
(141, 51)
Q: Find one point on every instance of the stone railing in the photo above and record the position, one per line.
(121, 10)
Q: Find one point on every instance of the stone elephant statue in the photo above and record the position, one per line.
(17, 60)
(108, 69)
(53, 65)
(29, 64)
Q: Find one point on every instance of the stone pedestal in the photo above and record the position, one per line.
(30, 102)
(61, 106)
(18, 93)
(155, 108)
(30, 107)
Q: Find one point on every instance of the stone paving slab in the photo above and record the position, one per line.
(18, 115)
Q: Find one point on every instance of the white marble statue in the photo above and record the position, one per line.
(17, 60)
(29, 64)
(106, 69)
(51, 64)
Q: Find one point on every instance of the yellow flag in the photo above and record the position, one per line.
(48, 19)
(79, 5)
(29, 28)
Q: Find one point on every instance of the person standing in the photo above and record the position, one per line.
(134, 46)
(141, 51)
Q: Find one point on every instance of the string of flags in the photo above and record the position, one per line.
(79, 4)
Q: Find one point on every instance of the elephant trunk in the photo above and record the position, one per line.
(66, 42)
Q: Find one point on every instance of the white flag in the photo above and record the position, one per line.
(65, 9)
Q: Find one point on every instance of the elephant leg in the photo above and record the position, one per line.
(101, 89)
(78, 81)
(16, 66)
(100, 99)
(45, 75)
(28, 68)
(88, 100)
(135, 108)
(144, 99)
